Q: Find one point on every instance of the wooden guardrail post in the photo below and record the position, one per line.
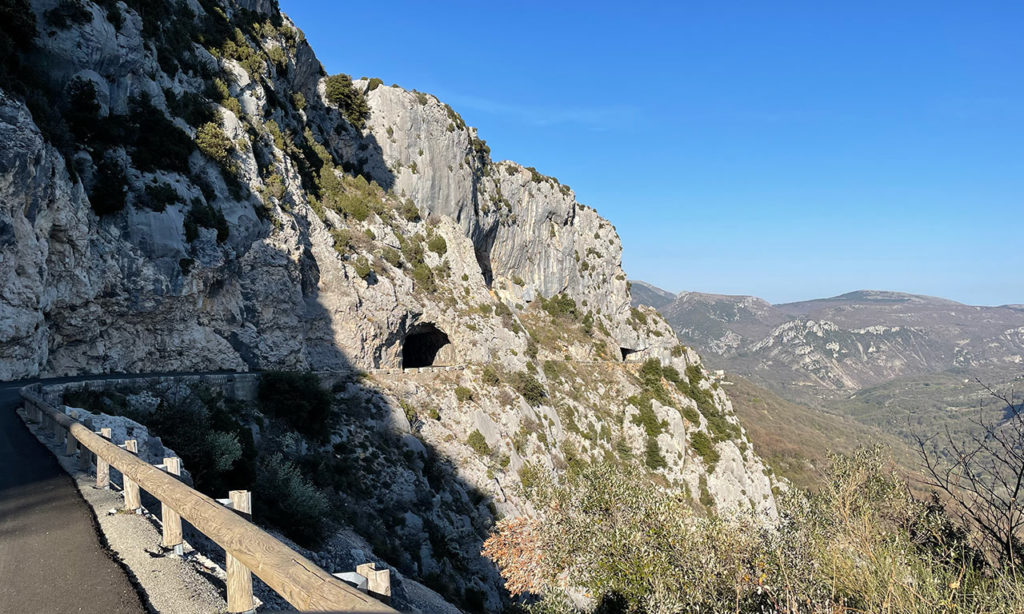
(70, 444)
(102, 466)
(132, 501)
(378, 581)
(170, 518)
(239, 576)
(84, 455)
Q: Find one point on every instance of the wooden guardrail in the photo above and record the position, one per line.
(297, 579)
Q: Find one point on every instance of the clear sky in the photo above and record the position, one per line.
(790, 150)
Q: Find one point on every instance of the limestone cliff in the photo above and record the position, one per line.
(183, 188)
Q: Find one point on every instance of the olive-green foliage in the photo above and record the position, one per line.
(530, 476)
(363, 267)
(299, 400)
(652, 455)
(340, 92)
(490, 376)
(289, 501)
(206, 216)
(559, 305)
(478, 443)
(530, 389)
(351, 196)
(705, 448)
(862, 544)
(463, 394)
(410, 211)
(392, 256)
(437, 245)
(704, 496)
(646, 417)
(424, 277)
(280, 61)
(239, 49)
(373, 84)
(212, 141)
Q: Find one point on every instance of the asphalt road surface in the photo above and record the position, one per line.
(51, 558)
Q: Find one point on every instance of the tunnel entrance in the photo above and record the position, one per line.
(422, 344)
(626, 352)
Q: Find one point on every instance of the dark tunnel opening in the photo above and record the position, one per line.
(626, 352)
(422, 343)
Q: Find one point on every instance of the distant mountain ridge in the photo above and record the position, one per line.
(838, 345)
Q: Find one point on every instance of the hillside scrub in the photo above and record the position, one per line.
(862, 544)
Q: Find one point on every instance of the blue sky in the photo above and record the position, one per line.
(790, 150)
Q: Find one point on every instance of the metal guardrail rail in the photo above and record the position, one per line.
(298, 580)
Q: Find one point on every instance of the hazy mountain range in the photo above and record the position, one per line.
(833, 347)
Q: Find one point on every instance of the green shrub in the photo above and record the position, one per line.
(646, 417)
(652, 455)
(463, 394)
(478, 443)
(490, 376)
(289, 501)
(341, 93)
(410, 211)
(704, 447)
(424, 277)
(529, 388)
(437, 245)
(299, 100)
(531, 476)
(373, 84)
(212, 141)
(363, 267)
(559, 306)
(705, 495)
(392, 256)
(298, 400)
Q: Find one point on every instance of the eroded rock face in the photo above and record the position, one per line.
(268, 256)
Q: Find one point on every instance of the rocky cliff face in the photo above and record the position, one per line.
(183, 188)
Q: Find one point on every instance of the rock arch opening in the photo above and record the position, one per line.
(425, 345)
